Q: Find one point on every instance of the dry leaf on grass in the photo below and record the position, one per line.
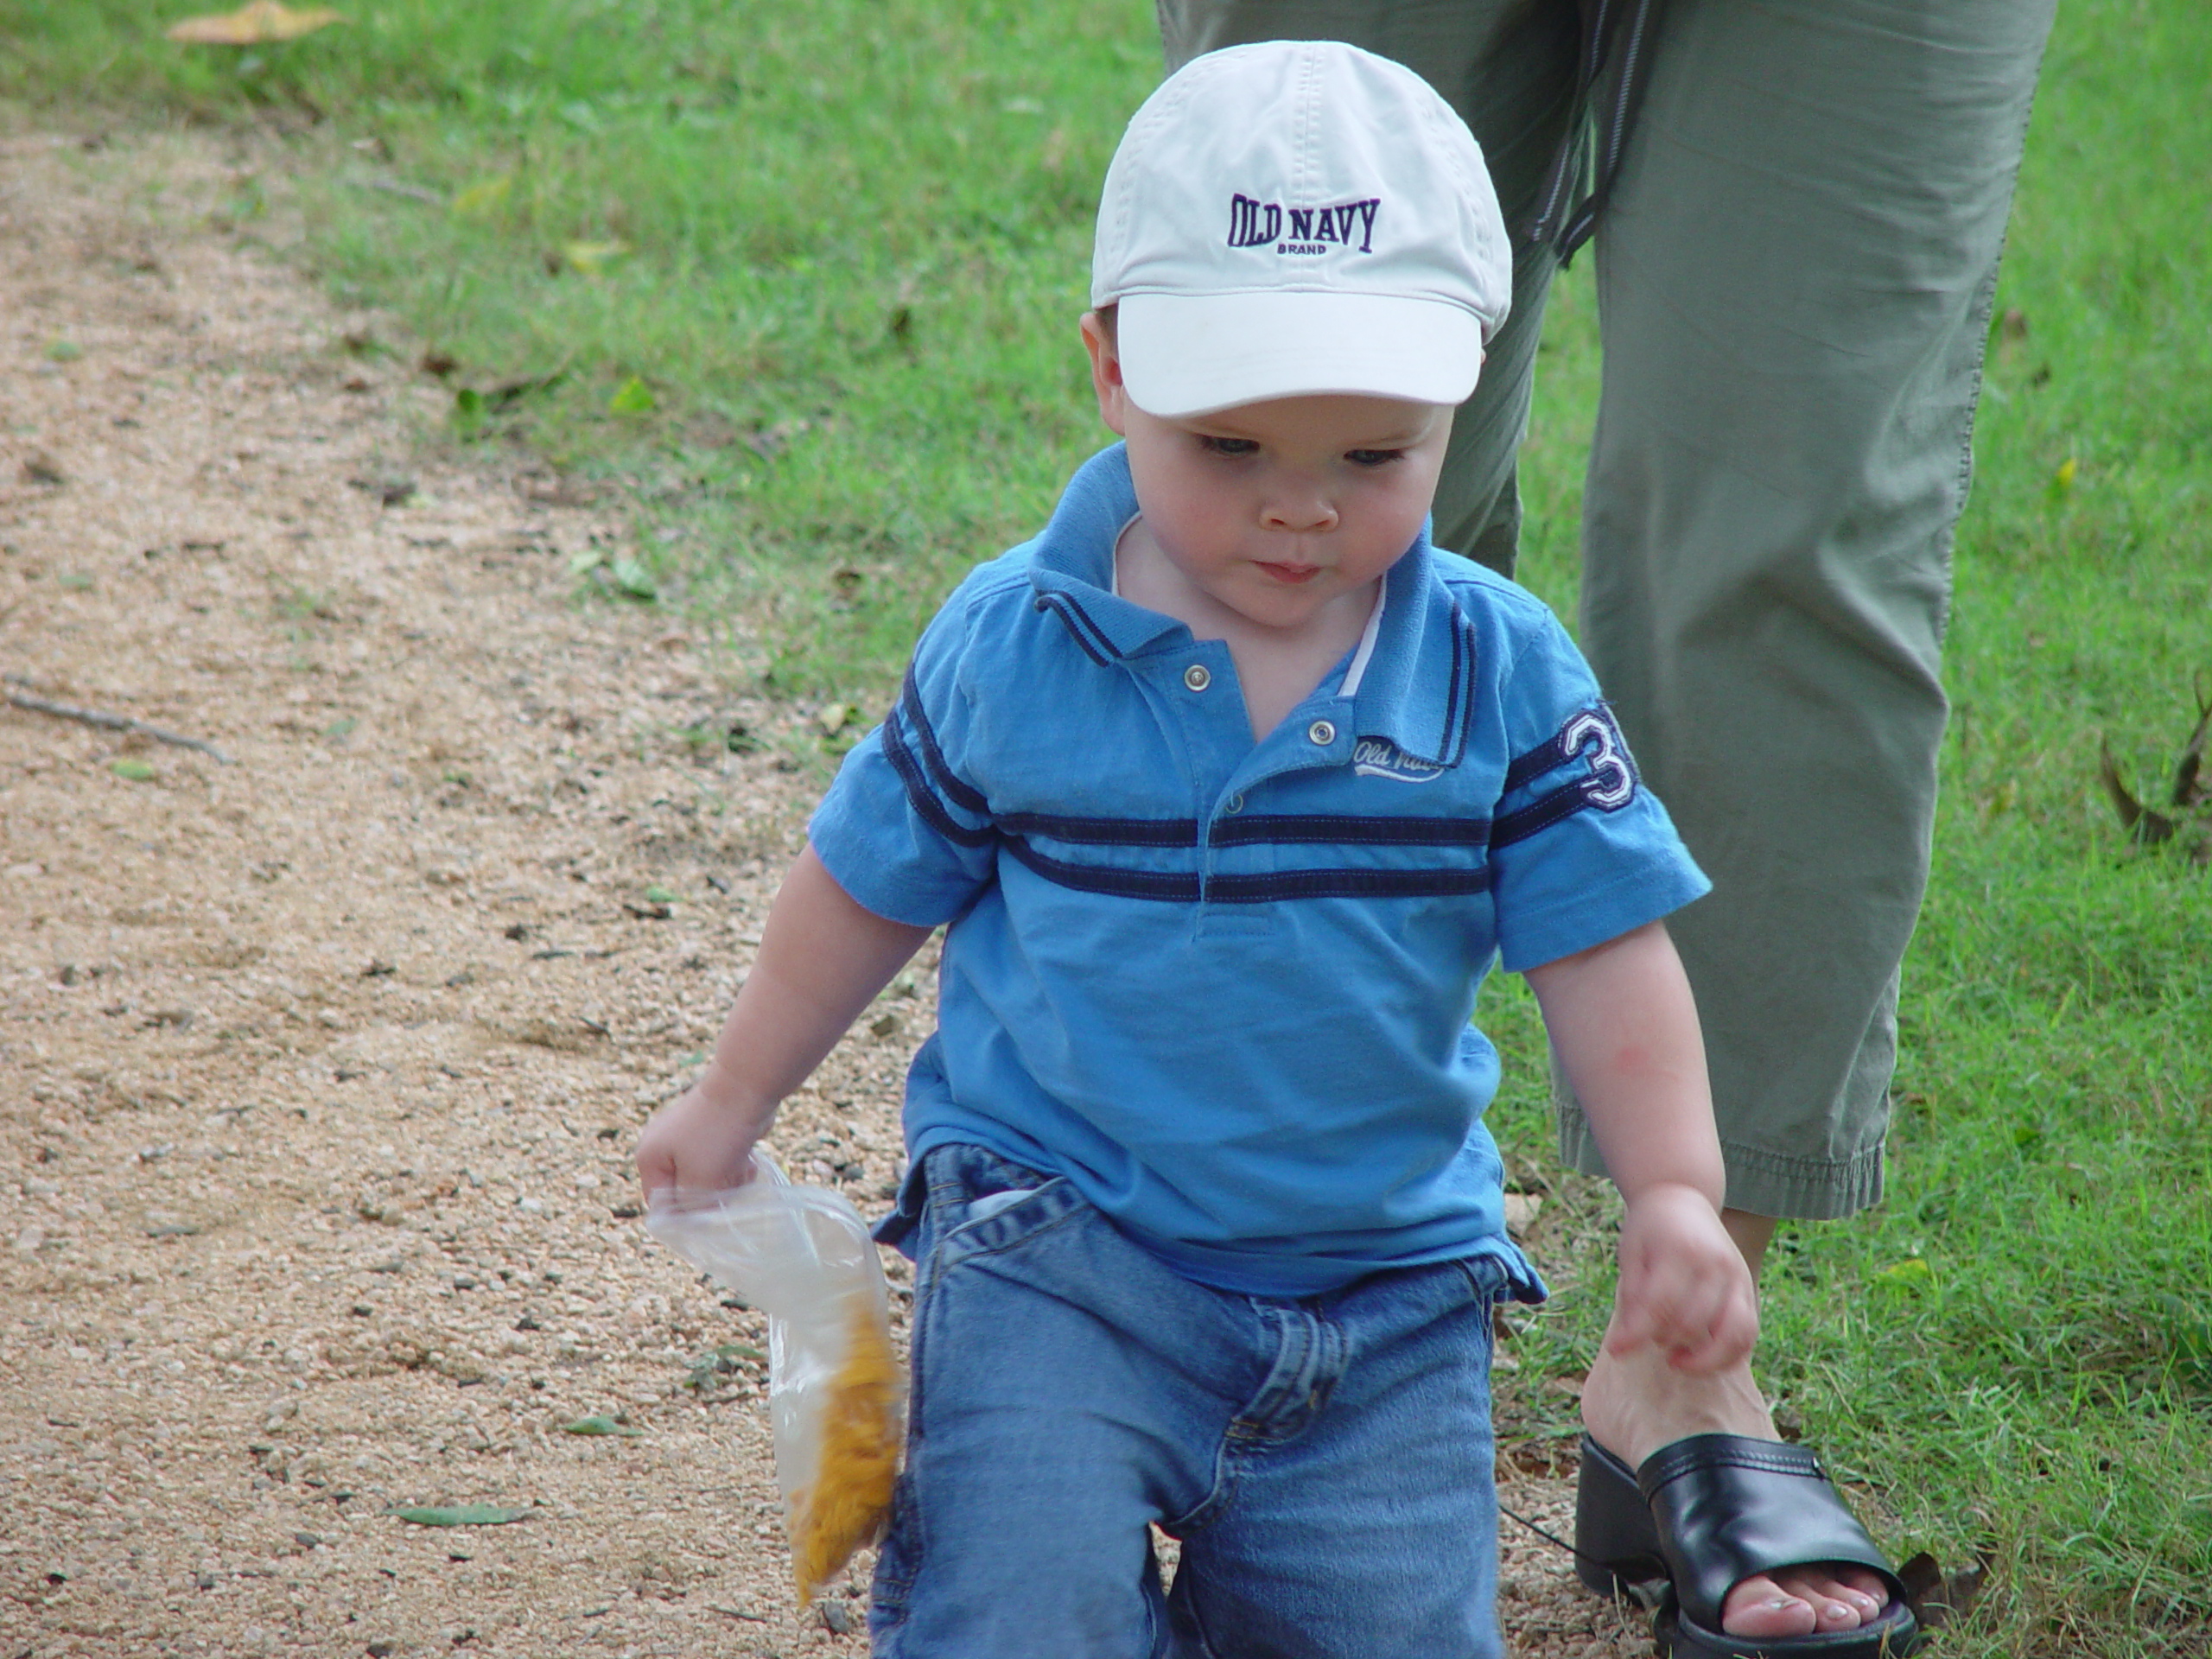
(257, 23)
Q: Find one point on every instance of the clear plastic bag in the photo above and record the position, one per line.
(836, 1399)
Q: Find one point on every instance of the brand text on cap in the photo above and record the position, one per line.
(1312, 229)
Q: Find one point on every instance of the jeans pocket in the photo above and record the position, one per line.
(1488, 1286)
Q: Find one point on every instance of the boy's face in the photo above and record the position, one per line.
(1276, 509)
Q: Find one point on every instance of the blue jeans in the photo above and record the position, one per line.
(1324, 1462)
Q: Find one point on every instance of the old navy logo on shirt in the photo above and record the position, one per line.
(1378, 757)
(1312, 229)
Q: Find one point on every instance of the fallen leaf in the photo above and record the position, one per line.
(459, 1514)
(2144, 827)
(590, 258)
(1937, 1597)
(390, 492)
(833, 719)
(484, 198)
(600, 1423)
(660, 896)
(136, 771)
(2189, 789)
(634, 579)
(256, 23)
(632, 397)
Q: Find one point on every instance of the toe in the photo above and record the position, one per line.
(1801, 1600)
(1865, 1588)
(1833, 1614)
(1860, 1594)
(1760, 1607)
(1841, 1599)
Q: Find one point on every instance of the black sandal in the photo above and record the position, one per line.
(1706, 1513)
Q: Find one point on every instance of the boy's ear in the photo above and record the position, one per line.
(1106, 376)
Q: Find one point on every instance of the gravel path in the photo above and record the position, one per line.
(320, 1069)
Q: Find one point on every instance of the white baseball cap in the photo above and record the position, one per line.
(1298, 217)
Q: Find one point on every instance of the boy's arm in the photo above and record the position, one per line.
(823, 958)
(1624, 1027)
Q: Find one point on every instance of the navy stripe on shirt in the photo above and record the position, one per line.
(1346, 884)
(910, 771)
(1103, 832)
(1611, 783)
(1349, 830)
(1172, 886)
(1540, 814)
(955, 788)
(920, 764)
(1088, 633)
(1187, 888)
(1262, 829)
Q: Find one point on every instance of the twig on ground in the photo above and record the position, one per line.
(98, 717)
(397, 188)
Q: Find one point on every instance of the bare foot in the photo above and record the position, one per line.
(1632, 1407)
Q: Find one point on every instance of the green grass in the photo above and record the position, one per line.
(857, 239)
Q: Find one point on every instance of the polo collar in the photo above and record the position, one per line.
(1415, 691)
(1072, 562)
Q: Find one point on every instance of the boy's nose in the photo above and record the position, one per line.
(1299, 511)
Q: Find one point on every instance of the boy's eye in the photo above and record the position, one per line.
(1373, 457)
(1228, 446)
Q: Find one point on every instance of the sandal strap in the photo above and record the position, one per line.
(1727, 1508)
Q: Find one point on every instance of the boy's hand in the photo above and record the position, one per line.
(1683, 1283)
(701, 1142)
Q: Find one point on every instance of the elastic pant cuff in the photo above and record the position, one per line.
(1763, 1183)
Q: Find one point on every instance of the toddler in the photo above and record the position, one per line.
(1229, 788)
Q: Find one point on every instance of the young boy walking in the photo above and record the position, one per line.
(1230, 788)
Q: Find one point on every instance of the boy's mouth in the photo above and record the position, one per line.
(1293, 574)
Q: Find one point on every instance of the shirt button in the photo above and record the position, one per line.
(1321, 732)
(1197, 677)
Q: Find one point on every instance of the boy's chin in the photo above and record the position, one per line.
(1261, 599)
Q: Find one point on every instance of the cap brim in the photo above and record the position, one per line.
(1190, 354)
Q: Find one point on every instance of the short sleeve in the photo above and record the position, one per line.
(903, 829)
(1580, 850)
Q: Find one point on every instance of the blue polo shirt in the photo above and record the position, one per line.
(1224, 987)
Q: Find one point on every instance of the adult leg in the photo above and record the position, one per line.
(1507, 68)
(1795, 275)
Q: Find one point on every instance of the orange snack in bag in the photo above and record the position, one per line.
(848, 1502)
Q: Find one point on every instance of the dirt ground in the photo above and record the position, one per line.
(321, 1062)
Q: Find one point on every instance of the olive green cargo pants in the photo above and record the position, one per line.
(1795, 272)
